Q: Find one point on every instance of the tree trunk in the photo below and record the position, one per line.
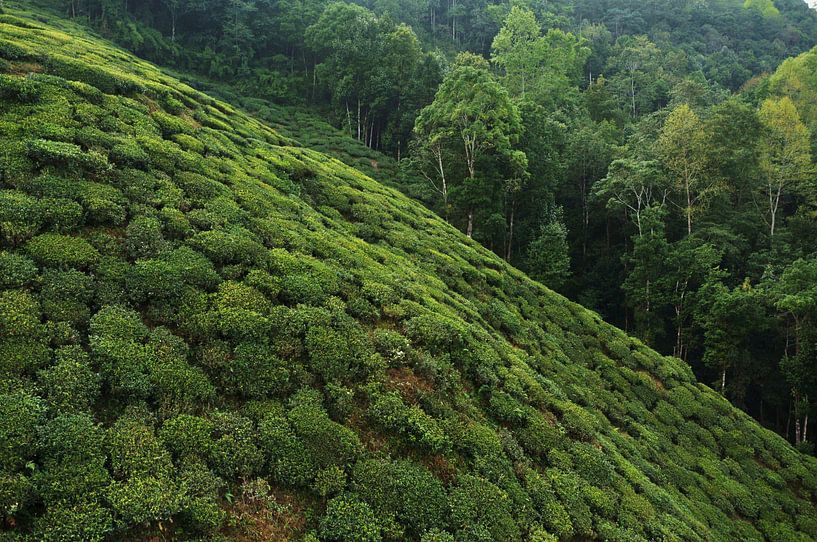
(723, 386)
(689, 208)
(469, 231)
(358, 119)
(797, 427)
(508, 251)
(788, 423)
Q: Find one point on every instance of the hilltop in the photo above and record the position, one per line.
(208, 332)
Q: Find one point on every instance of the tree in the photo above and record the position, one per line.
(638, 73)
(634, 186)
(548, 258)
(730, 319)
(472, 108)
(794, 295)
(519, 49)
(682, 148)
(785, 156)
(546, 67)
(345, 36)
(689, 263)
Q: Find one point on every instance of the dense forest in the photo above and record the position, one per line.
(321, 271)
(647, 159)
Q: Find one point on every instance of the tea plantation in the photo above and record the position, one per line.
(209, 333)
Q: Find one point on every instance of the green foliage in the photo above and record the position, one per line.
(21, 415)
(207, 331)
(70, 385)
(15, 270)
(55, 250)
(348, 519)
(480, 509)
(404, 490)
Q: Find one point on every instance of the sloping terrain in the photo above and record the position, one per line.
(307, 129)
(207, 333)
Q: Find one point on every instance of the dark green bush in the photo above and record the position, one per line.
(329, 481)
(61, 214)
(287, 458)
(15, 270)
(20, 217)
(404, 490)
(478, 505)
(88, 522)
(201, 512)
(20, 89)
(143, 238)
(65, 295)
(60, 251)
(328, 442)
(58, 153)
(70, 385)
(234, 453)
(349, 519)
(70, 447)
(188, 436)
(20, 417)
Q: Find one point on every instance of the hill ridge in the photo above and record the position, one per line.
(193, 308)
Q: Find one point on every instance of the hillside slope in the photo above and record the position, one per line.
(207, 333)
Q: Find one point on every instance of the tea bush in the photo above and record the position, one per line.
(191, 303)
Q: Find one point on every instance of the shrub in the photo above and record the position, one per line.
(435, 332)
(117, 322)
(101, 78)
(234, 453)
(255, 372)
(144, 499)
(143, 238)
(436, 535)
(87, 522)
(19, 314)
(338, 354)
(329, 481)
(15, 270)
(22, 356)
(181, 387)
(477, 503)
(288, 460)
(20, 417)
(65, 296)
(20, 89)
(349, 519)
(411, 422)
(20, 216)
(58, 153)
(404, 490)
(16, 493)
(70, 385)
(393, 346)
(188, 436)
(328, 442)
(61, 214)
(73, 460)
(55, 250)
(539, 435)
(201, 512)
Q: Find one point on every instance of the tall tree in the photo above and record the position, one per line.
(634, 186)
(785, 156)
(472, 108)
(682, 147)
(795, 295)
